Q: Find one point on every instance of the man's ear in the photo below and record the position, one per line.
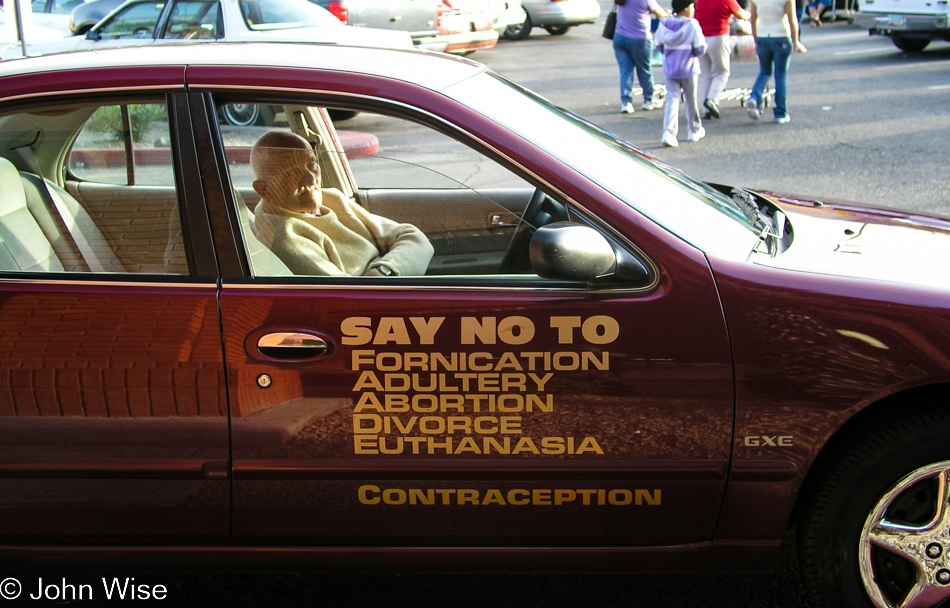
(260, 186)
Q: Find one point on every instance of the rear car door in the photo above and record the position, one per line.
(474, 405)
(113, 411)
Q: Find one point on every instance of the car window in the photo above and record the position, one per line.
(112, 207)
(127, 145)
(136, 21)
(696, 212)
(467, 206)
(193, 21)
(413, 156)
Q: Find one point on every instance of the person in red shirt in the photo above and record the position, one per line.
(714, 17)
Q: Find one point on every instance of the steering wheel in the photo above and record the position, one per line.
(517, 259)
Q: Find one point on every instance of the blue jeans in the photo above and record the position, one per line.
(634, 54)
(772, 52)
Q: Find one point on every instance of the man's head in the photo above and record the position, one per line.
(287, 172)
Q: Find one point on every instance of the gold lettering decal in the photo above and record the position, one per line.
(546, 497)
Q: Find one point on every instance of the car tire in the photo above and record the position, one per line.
(910, 45)
(520, 31)
(248, 115)
(241, 114)
(557, 30)
(889, 488)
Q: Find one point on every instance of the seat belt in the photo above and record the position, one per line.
(54, 202)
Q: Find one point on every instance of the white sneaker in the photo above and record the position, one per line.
(669, 140)
(696, 135)
(652, 105)
(627, 108)
(752, 110)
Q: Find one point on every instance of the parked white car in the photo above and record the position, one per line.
(506, 13)
(910, 24)
(555, 16)
(144, 22)
(33, 32)
(54, 13)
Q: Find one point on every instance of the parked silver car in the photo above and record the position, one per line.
(555, 16)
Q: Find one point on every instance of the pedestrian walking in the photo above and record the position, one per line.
(815, 10)
(715, 16)
(681, 40)
(633, 48)
(775, 29)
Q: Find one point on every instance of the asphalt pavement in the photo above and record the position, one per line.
(870, 123)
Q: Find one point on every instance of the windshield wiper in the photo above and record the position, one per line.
(770, 233)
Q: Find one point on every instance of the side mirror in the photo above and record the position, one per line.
(574, 252)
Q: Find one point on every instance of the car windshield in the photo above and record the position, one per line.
(262, 15)
(686, 207)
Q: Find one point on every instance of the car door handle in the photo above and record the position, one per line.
(291, 345)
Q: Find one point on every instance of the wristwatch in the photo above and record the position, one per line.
(385, 270)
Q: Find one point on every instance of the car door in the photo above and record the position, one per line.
(113, 412)
(477, 404)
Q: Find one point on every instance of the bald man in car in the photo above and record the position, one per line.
(317, 231)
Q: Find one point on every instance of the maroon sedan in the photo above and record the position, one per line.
(592, 361)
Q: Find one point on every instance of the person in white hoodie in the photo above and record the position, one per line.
(680, 39)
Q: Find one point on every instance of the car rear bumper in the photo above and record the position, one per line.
(463, 32)
(461, 42)
(898, 22)
(565, 12)
(471, 41)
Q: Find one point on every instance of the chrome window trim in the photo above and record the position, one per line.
(420, 286)
(149, 88)
(84, 281)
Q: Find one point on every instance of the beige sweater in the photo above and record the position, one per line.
(345, 240)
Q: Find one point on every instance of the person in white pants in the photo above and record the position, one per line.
(714, 16)
(680, 38)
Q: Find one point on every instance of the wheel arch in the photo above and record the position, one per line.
(893, 407)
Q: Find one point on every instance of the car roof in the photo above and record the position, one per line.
(430, 70)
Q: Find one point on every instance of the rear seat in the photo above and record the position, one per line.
(34, 238)
(23, 245)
